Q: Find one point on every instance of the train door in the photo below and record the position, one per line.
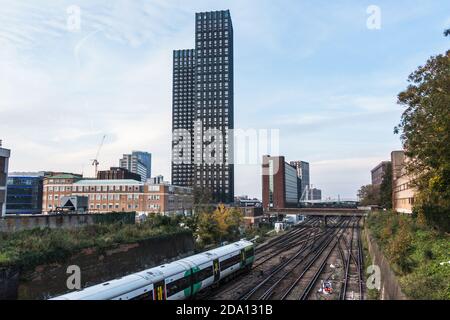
(242, 257)
(216, 270)
(160, 290)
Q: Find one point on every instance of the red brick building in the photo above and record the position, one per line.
(117, 173)
(117, 195)
(280, 183)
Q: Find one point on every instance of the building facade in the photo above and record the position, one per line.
(138, 162)
(280, 183)
(183, 117)
(118, 195)
(302, 168)
(403, 193)
(378, 172)
(117, 173)
(253, 216)
(156, 180)
(4, 161)
(24, 193)
(314, 194)
(203, 106)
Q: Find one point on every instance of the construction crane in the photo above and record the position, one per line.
(95, 162)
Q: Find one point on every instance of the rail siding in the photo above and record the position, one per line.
(390, 288)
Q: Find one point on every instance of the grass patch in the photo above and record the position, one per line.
(415, 252)
(29, 248)
(261, 232)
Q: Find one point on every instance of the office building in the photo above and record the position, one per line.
(378, 172)
(403, 192)
(138, 162)
(302, 168)
(203, 100)
(4, 160)
(314, 194)
(24, 194)
(280, 183)
(117, 195)
(115, 173)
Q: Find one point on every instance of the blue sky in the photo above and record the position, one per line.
(311, 69)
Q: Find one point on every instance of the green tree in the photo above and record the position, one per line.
(425, 134)
(369, 195)
(386, 188)
(208, 231)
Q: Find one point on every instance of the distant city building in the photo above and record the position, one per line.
(4, 160)
(314, 194)
(117, 173)
(117, 195)
(249, 203)
(302, 168)
(74, 204)
(253, 216)
(24, 194)
(378, 172)
(138, 162)
(280, 183)
(203, 96)
(403, 193)
(156, 180)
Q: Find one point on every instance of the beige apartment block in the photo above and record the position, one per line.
(403, 193)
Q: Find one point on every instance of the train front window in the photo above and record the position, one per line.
(249, 253)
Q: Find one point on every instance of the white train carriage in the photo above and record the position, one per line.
(177, 280)
(126, 288)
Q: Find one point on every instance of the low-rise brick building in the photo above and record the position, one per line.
(117, 195)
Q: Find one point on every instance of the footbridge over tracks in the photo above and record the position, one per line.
(341, 212)
(323, 213)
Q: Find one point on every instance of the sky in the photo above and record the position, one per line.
(317, 71)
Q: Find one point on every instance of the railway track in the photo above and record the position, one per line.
(294, 266)
(280, 276)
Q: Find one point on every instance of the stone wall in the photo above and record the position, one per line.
(68, 221)
(96, 267)
(390, 288)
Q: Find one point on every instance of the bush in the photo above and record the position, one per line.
(415, 252)
(30, 248)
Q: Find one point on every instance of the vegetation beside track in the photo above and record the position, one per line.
(27, 249)
(418, 254)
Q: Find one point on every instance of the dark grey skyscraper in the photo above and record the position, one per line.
(183, 115)
(203, 104)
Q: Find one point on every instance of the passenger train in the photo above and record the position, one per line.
(177, 280)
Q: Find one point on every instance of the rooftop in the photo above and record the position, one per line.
(91, 182)
(65, 176)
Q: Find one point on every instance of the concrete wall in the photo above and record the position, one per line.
(390, 288)
(96, 267)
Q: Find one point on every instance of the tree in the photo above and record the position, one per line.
(425, 134)
(386, 188)
(369, 195)
(220, 225)
(202, 196)
(208, 229)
